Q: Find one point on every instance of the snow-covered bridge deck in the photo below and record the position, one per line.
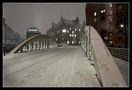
(50, 67)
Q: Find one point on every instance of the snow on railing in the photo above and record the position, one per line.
(108, 73)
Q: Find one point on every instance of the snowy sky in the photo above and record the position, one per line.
(20, 16)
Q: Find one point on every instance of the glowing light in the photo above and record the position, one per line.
(64, 30)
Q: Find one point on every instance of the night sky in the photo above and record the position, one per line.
(20, 16)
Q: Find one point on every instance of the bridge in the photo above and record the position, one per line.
(38, 62)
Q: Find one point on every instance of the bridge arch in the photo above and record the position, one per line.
(36, 42)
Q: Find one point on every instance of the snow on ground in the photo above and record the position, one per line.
(56, 67)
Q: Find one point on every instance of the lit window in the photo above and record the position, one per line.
(79, 30)
(70, 35)
(110, 4)
(67, 31)
(64, 30)
(102, 11)
(79, 42)
(70, 28)
(72, 42)
(75, 35)
(72, 31)
(110, 42)
(75, 29)
(67, 42)
(95, 13)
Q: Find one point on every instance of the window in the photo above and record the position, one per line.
(79, 30)
(102, 11)
(67, 42)
(70, 28)
(75, 29)
(72, 31)
(64, 30)
(72, 42)
(70, 35)
(75, 35)
(95, 13)
(110, 4)
(67, 31)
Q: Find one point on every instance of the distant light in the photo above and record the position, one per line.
(75, 35)
(32, 29)
(121, 25)
(67, 42)
(102, 11)
(75, 29)
(79, 30)
(110, 4)
(70, 28)
(72, 42)
(64, 30)
(72, 31)
(95, 13)
(70, 35)
(67, 31)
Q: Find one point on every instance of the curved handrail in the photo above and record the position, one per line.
(26, 41)
(107, 71)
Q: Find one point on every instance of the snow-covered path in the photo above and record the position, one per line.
(61, 67)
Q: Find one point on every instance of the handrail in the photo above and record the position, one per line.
(108, 73)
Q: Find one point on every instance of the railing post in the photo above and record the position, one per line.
(86, 44)
(89, 43)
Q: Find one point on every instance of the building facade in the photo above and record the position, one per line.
(108, 19)
(66, 32)
(32, 31)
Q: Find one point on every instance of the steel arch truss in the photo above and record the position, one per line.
(37, 42)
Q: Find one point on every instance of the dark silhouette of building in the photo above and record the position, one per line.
(111, 22)
(32, 31)
(66, 32)
(10, 38)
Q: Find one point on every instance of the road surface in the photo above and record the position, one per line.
(55, 67)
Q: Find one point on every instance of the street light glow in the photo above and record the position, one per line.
(64, 30)
(121, 25)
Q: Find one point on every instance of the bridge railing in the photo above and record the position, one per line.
(107, 72)
(36, 42)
